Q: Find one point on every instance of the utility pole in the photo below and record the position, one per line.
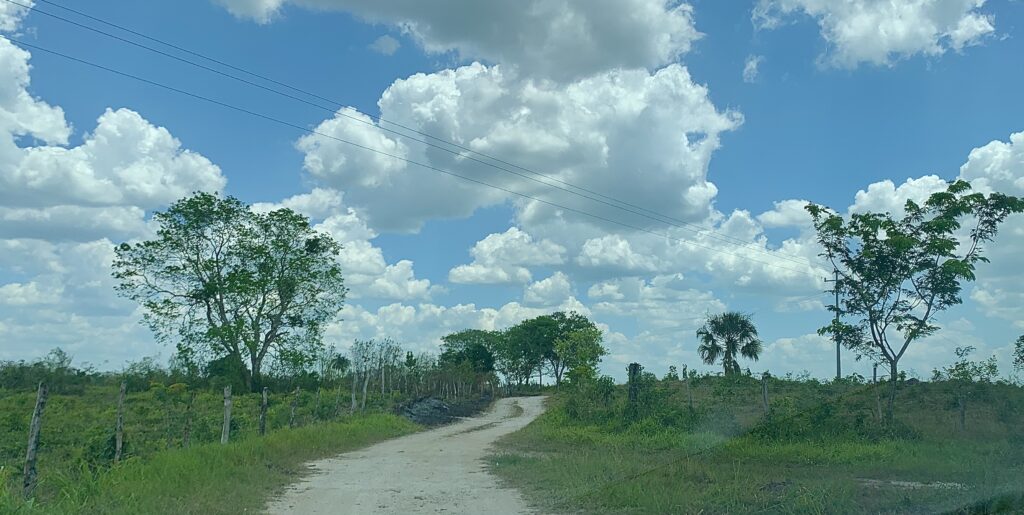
(835, 288)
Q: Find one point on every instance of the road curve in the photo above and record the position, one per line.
(436, 471)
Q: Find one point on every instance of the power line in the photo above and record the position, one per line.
(393, 156)
(588, 194)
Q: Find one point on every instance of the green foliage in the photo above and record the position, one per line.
(814, 454)
(575, 345)
(526, 346)
(207, 478)
(54, 369)
(967, 371)
(590, 400)
(672, 374)
(561, 343)
(1018, 354)
(472, 346)
(77, 439)
(897, 273)
(726, 336)
(223, 281)
(579, 351)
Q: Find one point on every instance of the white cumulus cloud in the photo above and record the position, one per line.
(504, 258)
(882, 32)
(560, 39)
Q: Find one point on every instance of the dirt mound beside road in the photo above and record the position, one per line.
(431, 411)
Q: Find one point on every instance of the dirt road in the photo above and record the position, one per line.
(436, 471)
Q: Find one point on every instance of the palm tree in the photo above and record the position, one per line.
(725, 335)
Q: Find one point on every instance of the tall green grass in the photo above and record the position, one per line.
(726, 457)
(206, 479)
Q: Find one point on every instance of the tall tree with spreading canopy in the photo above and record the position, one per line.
(473, 346)
(896, 273)
(225, 282)
(534, 340)
(580, 351)
(726, 336)
(565, 325)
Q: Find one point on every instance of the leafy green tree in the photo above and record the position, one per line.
(565, 324)
(580, 351)
(967, 371)
(965, 375)
(897, 273)
(509, 359)
(472, 346)
(726, 336)
(534, 341)
(226, 282)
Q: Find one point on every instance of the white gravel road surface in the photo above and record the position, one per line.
(436, 471)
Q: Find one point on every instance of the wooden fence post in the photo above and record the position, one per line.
(119, 424)
(263, 411)
(33, 440)
(634, 378)
(295, 404)
(225, 432)
(633, 407)
(764, 393)
(186, 437)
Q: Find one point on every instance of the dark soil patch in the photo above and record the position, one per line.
(431, 411)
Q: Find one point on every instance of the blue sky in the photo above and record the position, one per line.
(831, 111)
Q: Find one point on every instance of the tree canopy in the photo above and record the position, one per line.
(580, 351)
(726, 336)
(224, 282)
(896, 273)
(559, 343)
(472, 346)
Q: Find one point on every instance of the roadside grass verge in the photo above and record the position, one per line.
(206, 479)
(565, 465)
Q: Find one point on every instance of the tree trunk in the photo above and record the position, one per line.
(247, 379)
(255, 379)
(225, 431)
(119, 424)
(366, 383)
(263, 412)
(352, 408)
(893, 379)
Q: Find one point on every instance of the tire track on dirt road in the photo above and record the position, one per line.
(436, 471)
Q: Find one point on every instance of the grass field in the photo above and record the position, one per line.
(810, 456)
(158, 476)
